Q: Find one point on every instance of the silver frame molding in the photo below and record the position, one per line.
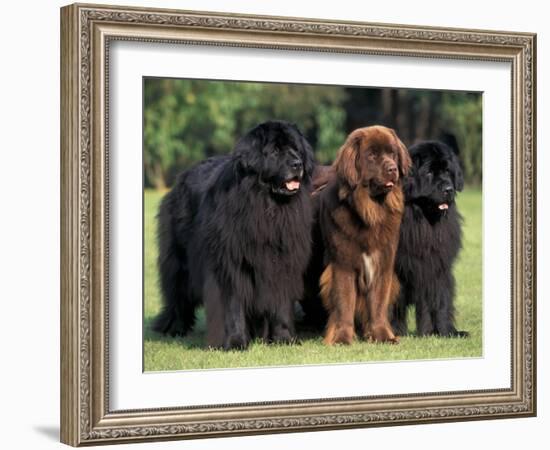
(86, 32)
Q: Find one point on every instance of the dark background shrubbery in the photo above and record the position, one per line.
(186, 121)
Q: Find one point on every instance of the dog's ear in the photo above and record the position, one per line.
(458, 177)
(403, 157)
(248, 150)
(410, 185)
(415, 185)
(450, 144)
(450, 140)
(322, 175)
(345, 163)
(307, 154)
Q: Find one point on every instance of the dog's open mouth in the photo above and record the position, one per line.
(292, 185)
(443, 206)
(288, 187)
(379, 187)
(386, 187)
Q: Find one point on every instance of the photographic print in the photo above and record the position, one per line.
(253, 254)
(290, 224)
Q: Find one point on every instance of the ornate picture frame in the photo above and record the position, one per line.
(86, 34)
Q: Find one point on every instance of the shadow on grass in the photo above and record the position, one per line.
(196, 339)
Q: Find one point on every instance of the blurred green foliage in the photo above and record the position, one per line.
(463, 115)
(186, 121)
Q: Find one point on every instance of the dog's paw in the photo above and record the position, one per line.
(236, 342)
(344, 335)
(460, 334)
(382, 334)
(283, 336)
(453, 334)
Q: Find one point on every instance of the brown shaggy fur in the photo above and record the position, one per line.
(360, 214)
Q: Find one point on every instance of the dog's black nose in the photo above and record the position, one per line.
(392, 169)
(448, 190)
(296, 164)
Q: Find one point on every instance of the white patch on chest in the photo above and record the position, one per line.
(368, 262)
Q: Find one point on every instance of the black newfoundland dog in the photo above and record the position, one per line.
(234, 234)
(430, 239)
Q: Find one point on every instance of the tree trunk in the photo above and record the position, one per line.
(387, 107)
(403, 105)
(159, 179)
(423, 120)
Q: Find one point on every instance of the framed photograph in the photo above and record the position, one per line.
(279, 224)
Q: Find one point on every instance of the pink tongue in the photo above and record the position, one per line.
(292, 185)
(443, 206)
(389, 184)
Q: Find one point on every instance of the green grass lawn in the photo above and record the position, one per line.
(163, 353)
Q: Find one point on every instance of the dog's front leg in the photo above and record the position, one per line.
(342, 300)
(381, 295)
(225, 318)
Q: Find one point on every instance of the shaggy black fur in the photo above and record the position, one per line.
(430, 240)
(234, 233)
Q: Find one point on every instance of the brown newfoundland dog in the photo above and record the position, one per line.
(360, 212)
